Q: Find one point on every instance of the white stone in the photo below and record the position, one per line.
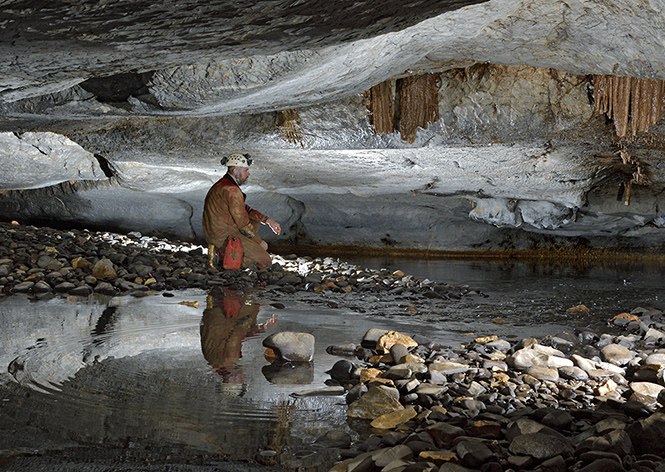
(583, 363)
(646, 388)
(655, 334)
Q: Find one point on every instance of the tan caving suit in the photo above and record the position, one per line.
(226, 214)
(226, 323)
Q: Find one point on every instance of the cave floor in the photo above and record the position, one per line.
(139, 394)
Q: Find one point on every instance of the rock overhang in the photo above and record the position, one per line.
(178, 59)
(160, 117)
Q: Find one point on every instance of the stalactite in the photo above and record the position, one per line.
(629, 100)
(601, 86)
(638, 113)
(418, 104)
(381, 108)
(622, 168)
(289, 123)
(621, 105)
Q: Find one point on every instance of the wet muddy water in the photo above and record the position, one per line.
(189, 372)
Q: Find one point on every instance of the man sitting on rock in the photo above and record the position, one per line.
(225, 215)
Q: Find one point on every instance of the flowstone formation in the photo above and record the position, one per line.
(437, 126)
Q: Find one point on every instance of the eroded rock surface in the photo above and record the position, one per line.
(138, 103)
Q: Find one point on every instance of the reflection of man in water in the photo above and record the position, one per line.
(227, 321)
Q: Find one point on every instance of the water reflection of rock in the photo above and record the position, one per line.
(227, 320)
(289, 373)
(291, 356)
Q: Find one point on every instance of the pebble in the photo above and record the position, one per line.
(374, 403)
(394, 418)
(42, 262)
(547, 409)
(290, 346)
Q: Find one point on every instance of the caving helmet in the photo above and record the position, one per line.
(237, 160)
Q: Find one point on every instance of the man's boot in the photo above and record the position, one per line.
(213, 259)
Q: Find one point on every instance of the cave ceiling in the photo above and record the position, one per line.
(133, 102)
(115, 47)
(220, 57)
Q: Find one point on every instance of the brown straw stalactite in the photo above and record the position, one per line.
(289, 123)
(602, 87)
(626, 170)
(628, 100)
(639, 115)
(621, 105)
(381, 108)
(652, 101)
(418, 103)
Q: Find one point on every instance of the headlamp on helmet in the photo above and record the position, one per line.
(237, 160)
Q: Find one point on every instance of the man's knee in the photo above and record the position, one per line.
(253, 253)
(266, 260)
(261, 260)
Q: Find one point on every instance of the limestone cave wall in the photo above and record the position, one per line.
(518, 158)
(440, 126)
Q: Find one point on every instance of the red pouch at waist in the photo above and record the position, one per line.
(233, 254)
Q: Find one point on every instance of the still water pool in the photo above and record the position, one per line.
(534, 294)
(189, 373)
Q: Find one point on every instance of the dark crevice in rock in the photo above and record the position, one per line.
(191, 225)
(118, 88)
(46, 206)
(106, 166)
(297, 228)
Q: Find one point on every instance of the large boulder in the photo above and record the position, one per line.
(289, 346)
